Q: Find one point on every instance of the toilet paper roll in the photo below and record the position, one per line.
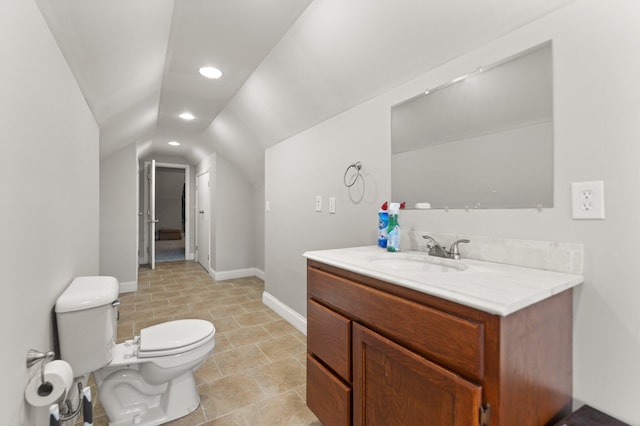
(58, 378)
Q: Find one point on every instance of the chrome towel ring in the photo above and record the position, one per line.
(357, 166)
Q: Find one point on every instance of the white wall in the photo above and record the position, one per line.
(597, 111)
(233, 218)
(50, 204)
(119, 217)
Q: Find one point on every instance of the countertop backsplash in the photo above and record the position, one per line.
(547, 255)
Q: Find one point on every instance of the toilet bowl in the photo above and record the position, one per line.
(150, 379)
(147, 380)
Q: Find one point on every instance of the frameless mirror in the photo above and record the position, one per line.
(483, 140)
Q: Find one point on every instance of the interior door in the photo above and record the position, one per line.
(202, 221)
(150, 172)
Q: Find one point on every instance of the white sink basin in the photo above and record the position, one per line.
(400, 262)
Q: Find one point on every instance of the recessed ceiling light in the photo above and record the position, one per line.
(174, 143)
(211, 72)
(186, 116)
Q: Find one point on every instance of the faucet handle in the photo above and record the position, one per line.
(431, 242)
(454, 251)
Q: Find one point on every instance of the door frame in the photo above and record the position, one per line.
(196, 210)
(187, 213)
(187, 204)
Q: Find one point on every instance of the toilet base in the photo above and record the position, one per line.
(129, 400)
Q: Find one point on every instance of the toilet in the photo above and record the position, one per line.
(147, 380)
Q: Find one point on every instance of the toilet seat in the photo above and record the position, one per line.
(174, 337)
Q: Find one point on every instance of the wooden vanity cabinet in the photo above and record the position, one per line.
(382, 354)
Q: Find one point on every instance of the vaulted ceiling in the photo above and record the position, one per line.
(287, 64)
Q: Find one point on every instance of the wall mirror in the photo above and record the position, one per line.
(483, 140)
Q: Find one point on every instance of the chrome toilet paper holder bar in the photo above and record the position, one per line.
(34, 356)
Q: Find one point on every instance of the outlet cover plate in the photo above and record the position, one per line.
(587, 200)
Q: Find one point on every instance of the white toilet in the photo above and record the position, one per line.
(145, 381)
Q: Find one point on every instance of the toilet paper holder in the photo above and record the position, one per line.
(66, 410)
(34, 356)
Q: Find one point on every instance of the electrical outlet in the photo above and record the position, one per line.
(332, 205)
(587, 200)
(318, 203)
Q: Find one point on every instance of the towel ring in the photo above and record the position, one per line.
(357, 165)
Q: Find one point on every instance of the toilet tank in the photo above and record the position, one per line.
(86, 315)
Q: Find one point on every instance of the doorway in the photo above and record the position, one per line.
(166, 211)
(170, 214)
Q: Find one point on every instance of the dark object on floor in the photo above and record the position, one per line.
(169, 234)
(588, 416)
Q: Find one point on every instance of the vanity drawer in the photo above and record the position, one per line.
(329, 338)
(452, 341)
(327, 396)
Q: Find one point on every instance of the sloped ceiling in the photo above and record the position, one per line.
(287, 64)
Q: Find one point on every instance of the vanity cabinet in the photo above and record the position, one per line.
(382, 354)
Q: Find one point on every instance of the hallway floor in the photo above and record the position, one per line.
(256, 374)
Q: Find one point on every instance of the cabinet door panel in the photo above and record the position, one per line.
(394, 386)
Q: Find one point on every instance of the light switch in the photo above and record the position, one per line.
(332, 205)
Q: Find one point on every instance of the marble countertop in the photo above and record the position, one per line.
(495, 288)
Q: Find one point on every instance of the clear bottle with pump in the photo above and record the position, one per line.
(393, 230)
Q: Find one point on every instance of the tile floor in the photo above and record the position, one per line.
(256, 374)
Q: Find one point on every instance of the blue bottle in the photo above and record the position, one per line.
(383, 223)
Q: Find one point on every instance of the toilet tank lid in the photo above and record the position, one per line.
(88, 292)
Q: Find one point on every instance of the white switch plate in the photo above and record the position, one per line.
(332, 205)
(267, 206)
(318, 203)
(587, 200)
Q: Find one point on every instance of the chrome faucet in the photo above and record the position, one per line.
(435, 249)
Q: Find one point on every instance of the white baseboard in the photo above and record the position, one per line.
(288, 314)
(128, 287)
(190, 256)
(236, 273)
(259, 273)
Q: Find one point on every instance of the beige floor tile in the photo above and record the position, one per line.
(240, 359)
(282, 347)
(253, 318)
(278, 327)
(222, 344)
(225, 325)
(229, 394)
(280, 376)
(223, 311)
(247, 335)
(285, 409)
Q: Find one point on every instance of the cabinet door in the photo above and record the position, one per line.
(394, 386)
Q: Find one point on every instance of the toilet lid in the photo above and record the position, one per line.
(174, 334)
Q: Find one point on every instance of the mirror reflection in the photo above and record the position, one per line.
(484, 140)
